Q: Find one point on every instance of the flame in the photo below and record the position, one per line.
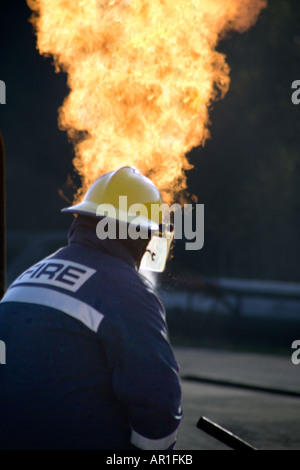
(142, 76)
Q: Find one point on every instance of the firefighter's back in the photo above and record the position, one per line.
(56, 385)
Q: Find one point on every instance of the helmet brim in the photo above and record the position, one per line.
(99, 211)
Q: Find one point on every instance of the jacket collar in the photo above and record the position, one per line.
(83, 232)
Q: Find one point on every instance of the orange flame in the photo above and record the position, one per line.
(142, 75)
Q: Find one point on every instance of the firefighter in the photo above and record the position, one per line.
(89, 364)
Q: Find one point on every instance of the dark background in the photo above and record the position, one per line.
(247, 176)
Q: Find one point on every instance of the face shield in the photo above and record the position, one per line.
(157, 251)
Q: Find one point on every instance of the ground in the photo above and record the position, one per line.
(266, 420)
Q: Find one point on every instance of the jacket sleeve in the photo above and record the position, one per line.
(144, 370)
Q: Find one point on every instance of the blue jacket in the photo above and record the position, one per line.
(88, 361)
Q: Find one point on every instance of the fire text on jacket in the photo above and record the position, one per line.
(58, 273)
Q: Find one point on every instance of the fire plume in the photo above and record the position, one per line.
(142, 76)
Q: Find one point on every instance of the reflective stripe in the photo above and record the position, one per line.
(51, 298)
(152, 444)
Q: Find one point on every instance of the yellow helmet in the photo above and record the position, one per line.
(121, 195)
(111, 189)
